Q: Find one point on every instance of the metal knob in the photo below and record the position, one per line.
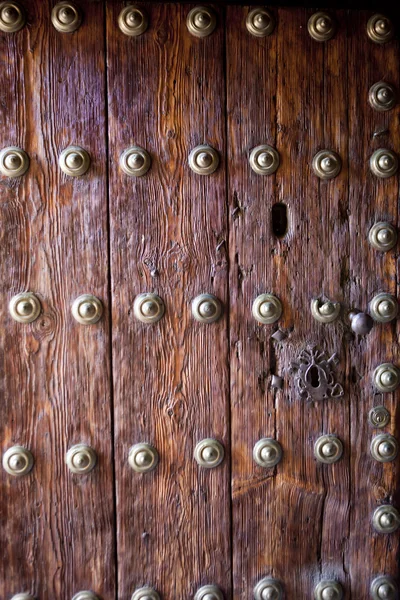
(361, 323)
(14, 162)
(206, 308)
(384, 308)
(66, 17)
(143, 458)
(25, 307)
(325, 312)
(267, 452)
(328, 590)
(12, 17)
(328, 449)
(380, 29)
(321, 26)
(203, 160)
(87, 309)
(209, 592)
(135, 161)
(268, 589)
(384, 163)
(379, 417)
(382, 96)
(85, 596)
(145, 593)
(260, 22)
(81, 459)
(17, 461)
(382, 236)
(384, 448)
(23, 596)
(326, 164)
(386, 377)
(209, 453)
(267, 309)
(201, 21)
(148, 308)
(133, 21)
(386, 519)
(74, 161)
(264, 160)
(384, 588)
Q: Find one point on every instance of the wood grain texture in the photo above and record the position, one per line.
(56, 529)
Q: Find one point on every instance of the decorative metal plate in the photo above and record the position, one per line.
(314, 375)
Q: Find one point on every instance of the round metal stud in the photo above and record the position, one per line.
(382, 96)
(380, 29)
(267, 452)
(66, 17)
(384, 163)
(17, 461)
(268, 589)
(328, 590)
(266, 309)
(384, 308)
(386, 519)
(133, 21)
(206, 308)
(384, 588)
(386, 377)
(209, 592)
(23, 597)
(81, 459)
(382, 236)
(264, 160)
(361, 323)
(203, 160)
(209, 453)
(25, 307)
(384, 448)
(260, 22)
(328, 449)
(87, 309)
(326, 164)
(12, 17)
(148, 308)
(143, 458)
(135, 161)
(14, 162)
(321, 26)
(379, 417)
(74, 161)
(326, 312)
(145, 593)
(85, 595)
(201, 21)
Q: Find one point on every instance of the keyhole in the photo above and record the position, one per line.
(279, 219)
(314, 377)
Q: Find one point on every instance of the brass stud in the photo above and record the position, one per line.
(384, 588)
(143, 458)
(206, 308)
(209, 453)
(74, 161)
(66, 17)
(204, 160)
(321, 26)
(382, 96)
(148, 308)
(264, 160)
(268, 589)
(382, 236)
(201, 21)
(384, 308)
(85, 595)
(12, 17)
(267, 452)
(135, 161)
(14, 162)
(81, 459)
(379, 417)
(260, 22)
(23, 596)
(209, 592)
(326, 312)
(387, 377)
(145, 593)
(25, 307)
(384, 163)
(328, 590)
(267, 309)
(386, 519)
(384, 448)
(87, 309)
(17, 461)
(133, 21)
(326, 164)
(328, 449)
(380, 29)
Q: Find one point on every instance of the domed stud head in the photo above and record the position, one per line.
(209, 453)
(321, 26)
(148, 308)
(382, 96)
(66, 17)
(384, 588)
(87, 309)
(81, 459)
(268, 589)
(203, 160)
(74, 161)
(23, 596)
(379, 417)
(386, 519)
(145, 593)
(201, 21)
(25, 307)
(328, 590)
(266, 309)
(143, 458)
(135, 161)
(384, 448)
(14, 162)
(380, 29)
(384, 308)
(85, 595)
(133, 21)
(267, 452)
(326, 164)
(206, 308)
(12, 17)
(386, 377)
(17, 461)
(328, 449)
(260, 22)
(382, 236)
(325, 312)
(384, 163)
(264, 160)
(209, 592)
(361, 323)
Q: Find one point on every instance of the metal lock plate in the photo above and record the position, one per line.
(314, 375)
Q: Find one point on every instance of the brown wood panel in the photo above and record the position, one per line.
(56, 529)
(168, 236)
